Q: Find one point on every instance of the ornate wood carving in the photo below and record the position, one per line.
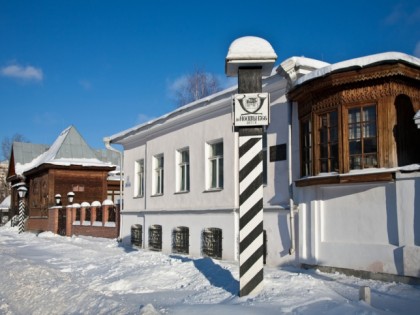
(371, 84)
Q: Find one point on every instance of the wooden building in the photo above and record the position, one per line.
(68, 165)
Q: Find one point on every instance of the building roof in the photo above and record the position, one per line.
(358, 63)
(24, 152)
(68, 149)
(5, 204)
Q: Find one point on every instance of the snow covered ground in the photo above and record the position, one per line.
(51, 274)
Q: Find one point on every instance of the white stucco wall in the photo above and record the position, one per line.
(371, 226)
(199, 208)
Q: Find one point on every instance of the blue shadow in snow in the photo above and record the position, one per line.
(214, 273)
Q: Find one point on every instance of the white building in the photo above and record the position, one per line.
(181, 174)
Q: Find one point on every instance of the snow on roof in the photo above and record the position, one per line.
(5, 204)
(198, 104)
(296, 67)
(160, 120)
(360, 63)
(68, 149)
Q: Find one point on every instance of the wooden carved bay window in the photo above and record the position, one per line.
(358, 120)
(358, 149)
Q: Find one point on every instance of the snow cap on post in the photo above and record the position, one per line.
(250, 51)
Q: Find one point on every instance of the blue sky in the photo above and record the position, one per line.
(106, 66)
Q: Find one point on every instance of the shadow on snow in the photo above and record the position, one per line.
(214, 273)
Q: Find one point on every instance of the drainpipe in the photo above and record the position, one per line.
(290, 179)
(107, 142)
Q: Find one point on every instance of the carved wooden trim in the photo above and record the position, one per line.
(369, 84)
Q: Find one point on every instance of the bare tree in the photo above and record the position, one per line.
(196, 85)
(6, 144)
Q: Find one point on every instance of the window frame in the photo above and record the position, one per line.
(346, 139)
(158, 174)
(139, 178)
(219, 162)
(183, 169)
(312, 167)
(317, 141)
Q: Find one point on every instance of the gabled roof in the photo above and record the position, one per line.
(68, 149)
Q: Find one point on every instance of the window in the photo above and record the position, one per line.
(183, 170)
(362, 141)
(158, 175)
(180, 240)
(358, 131)
(215, 166)
(212, 243)
(136, 235)
(306, 147)
(155, 237)
(406, 133)
(139, 179)
(328, 142)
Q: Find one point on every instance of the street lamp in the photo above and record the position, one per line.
(22, 192)
(57, 199)
(70, 197)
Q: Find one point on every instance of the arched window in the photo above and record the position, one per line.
(180, 240)
(406, 133)
(136, 235)
(155, 237)
(212, 243)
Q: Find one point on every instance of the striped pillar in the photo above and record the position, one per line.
(251, 274)
(21, 215)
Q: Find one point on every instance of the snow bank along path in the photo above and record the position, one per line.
(50, 274)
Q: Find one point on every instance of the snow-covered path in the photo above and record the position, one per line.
(50, 274)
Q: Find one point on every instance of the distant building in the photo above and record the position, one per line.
(4, 186)
(4, 210)
(68, 165)
(341, 170)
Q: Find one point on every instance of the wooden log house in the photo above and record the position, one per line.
(68, 165)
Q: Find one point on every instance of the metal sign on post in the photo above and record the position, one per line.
(249, 58)
(251, 109)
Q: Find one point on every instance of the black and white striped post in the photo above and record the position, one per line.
(21, 194)
(250, 58)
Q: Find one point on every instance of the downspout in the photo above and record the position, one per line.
(290, 179)
(107, 142)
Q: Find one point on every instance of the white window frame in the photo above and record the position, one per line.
(139, 179)
(183, 171)
(218, 159)
(158, 174)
